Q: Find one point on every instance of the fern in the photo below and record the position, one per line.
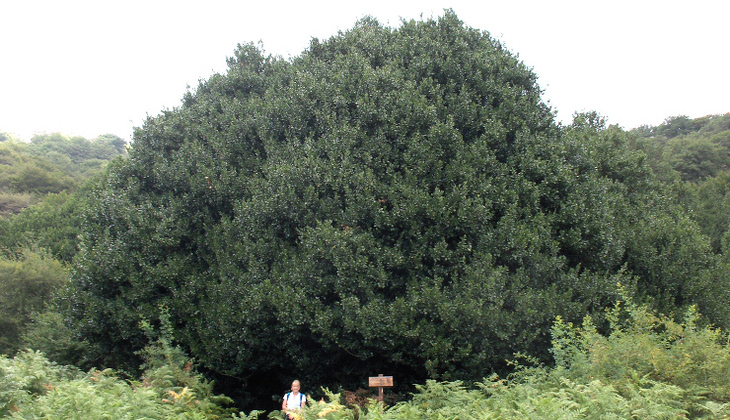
(29, 374)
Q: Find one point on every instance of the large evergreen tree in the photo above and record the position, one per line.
(392, 200)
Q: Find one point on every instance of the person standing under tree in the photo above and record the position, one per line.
(294, 400)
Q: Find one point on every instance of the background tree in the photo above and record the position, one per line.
(26, 285)
(709, 204)
(43, 186)
(5, 136)
(692, 150)
(53, 224)
(697, 152)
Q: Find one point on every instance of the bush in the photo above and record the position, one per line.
(27, 284)
(172, 374)
(643, 347)
(32, 387)
(12, 203)
(28, 375)
(534, 394)
(48, 333)
(647, 366)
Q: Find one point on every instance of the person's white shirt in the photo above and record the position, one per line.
(294, 400)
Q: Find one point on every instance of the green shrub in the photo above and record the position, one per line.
(31, 387)
(539, 393)
(643, 347)
(647, 367)
(48, 333)
(171, 373)
(27, 284)
(29, 374)
(98, 395)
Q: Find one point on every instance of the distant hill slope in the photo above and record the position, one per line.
(50, 163)
(689, 149)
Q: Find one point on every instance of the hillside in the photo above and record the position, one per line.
(49, 164)
(690, 149)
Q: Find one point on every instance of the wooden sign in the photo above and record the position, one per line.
(380, 381)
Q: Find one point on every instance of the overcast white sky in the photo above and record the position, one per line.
(94, 67)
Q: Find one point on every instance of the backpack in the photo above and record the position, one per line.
(300, 398)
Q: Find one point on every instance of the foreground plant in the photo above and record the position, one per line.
(643, 345)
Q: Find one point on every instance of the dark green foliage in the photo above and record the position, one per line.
(48, 333)
(52, 224)
(697, 158)
(393, 200)
(27, 284)
(708, 202)
(677, 126)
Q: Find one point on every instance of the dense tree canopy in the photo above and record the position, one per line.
(392, 200)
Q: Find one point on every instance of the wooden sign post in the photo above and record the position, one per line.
(380, 381)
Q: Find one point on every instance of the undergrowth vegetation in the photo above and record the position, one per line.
(643, 366)
(32, 387)
(646, 366)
